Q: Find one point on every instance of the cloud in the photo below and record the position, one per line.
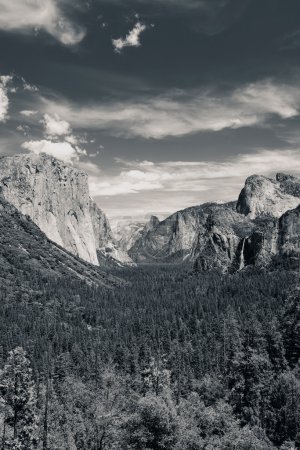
(24, 16)
(28, 112)
(183, 113)
(60, 150)
(132, 39)
(54, 126)
(29, 87)
(4, 100)
(221, 179)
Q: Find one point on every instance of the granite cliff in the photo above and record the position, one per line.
(265, 196)
(26, 252)
(56, 197)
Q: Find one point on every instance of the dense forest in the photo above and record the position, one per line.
(170, 359)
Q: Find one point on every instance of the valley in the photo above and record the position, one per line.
(191, 341)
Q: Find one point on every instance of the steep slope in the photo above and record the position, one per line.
(24, 248)
(265, 196)
(56, 197)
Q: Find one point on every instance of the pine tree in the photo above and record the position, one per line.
(18, 392)
(291, 329)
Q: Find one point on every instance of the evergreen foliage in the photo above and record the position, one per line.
(169, 360)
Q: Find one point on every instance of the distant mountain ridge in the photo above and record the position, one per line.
(258, 229)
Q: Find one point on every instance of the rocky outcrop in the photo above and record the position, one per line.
(265, 196)
(56, 197)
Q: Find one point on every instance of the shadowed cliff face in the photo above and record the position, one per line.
(56, 197)
(289, 237)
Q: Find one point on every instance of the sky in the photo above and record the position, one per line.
(164, 103)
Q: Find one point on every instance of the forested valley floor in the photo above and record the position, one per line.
(169, 360)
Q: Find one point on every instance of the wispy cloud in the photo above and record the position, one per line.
(4, 100)
(182, 113)
(132, 39)
(223, 178)
(28, 112)
(25, 16)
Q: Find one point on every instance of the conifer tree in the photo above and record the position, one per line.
(18, 393)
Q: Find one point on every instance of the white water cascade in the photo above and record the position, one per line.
(242, 258)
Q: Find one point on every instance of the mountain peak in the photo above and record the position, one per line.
(266, 196)
(154, 220)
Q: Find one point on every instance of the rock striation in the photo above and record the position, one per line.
(56, 197)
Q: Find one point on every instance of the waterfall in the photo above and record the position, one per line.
(242, 258)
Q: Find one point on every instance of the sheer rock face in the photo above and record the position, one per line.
(265, 196)
(56, 197)
(289, 235)
(222, 245)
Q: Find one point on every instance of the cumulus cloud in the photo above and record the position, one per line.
(182, 113)
(55, 126)
(59, 141)
(31, 15)
(224, 178)
(4, 100)
(132, 39)
(60, 150)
